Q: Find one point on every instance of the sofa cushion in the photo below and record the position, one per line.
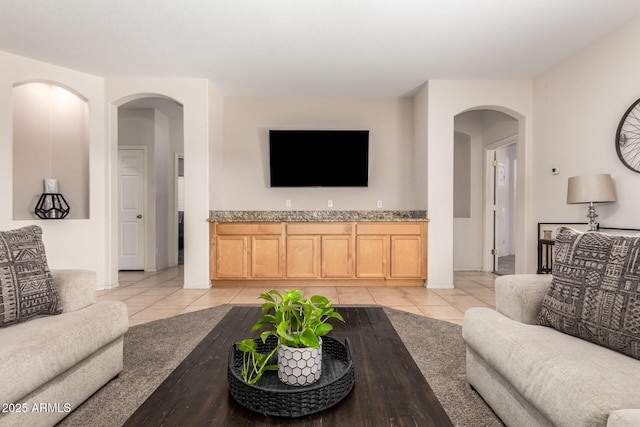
(571, 381)
(45, 348)
(595, 290)
(26, 286)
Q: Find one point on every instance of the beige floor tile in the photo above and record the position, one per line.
(192, 308)
(463, 303)
(224, 291)
(356, 299)
(133, 309)
(126, 291)
(448, 292)
(211, 300)
(157, 295)
(488, 296)
(441, 312)
(154, 313)
(144, 299)
(387, 297)
(176, 300)
(159, 291)
(110, 297)
(136, 322)
(326, 291)
(427, 298)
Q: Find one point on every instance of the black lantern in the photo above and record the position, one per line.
(52, 204)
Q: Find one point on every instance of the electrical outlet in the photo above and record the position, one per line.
(329, 203)
(379, 204)
(287, 203)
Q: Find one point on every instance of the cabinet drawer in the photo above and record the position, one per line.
(388, 228)
(252, 228)
(319, 228)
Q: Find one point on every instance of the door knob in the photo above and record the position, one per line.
(139, 216)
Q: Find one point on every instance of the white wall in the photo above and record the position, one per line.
(246, 151)
(578, 105)
(70, 243)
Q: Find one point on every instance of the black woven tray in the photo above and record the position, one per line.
(270, 396)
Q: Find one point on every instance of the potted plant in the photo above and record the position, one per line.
(298, 324)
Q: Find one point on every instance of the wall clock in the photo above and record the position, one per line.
(628, 138)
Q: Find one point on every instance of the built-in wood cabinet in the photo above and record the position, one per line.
(337, 254)
(247, 251)
(372, 256)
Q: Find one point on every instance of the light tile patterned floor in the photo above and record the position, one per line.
(157, 295)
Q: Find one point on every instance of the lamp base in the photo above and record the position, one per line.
(593, 224)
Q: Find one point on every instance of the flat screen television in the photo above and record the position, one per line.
(319, 158)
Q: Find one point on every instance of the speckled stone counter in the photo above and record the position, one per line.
(317, 216)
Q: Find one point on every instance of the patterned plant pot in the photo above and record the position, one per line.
(299, 366)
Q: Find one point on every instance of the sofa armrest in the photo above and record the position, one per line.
(77, 288)
(520, 296)
(624, 418)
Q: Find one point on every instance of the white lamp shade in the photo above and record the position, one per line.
(590, 188)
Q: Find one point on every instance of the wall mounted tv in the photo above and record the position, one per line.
(319, 158)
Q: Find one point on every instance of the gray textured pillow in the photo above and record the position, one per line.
(26, 286)
(595, 290)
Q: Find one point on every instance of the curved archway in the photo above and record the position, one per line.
(149, 140)
(50, 141)
(491, 230)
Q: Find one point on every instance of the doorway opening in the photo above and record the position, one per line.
(149, 222)
(502, 201)
(180, 206)
(477, 135)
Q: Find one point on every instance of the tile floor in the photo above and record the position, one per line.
(157, 295)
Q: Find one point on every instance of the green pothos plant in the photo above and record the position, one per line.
(296, 322)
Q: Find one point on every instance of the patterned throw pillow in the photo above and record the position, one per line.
(26, 285)
(595, 290)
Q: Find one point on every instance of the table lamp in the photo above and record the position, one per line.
(591, 189)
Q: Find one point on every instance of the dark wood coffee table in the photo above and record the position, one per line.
(389, 390)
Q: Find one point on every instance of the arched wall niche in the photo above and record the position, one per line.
(50, 140)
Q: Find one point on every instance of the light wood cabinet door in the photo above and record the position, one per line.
(266, 256)
(372, 253)
(231, 257)
(303, 256)
(406, 257)
(337, 256)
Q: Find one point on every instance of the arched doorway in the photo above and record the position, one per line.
(150, 138)
(485, 230)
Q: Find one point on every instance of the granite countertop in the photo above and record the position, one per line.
(317, 216)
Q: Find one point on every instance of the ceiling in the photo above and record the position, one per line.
(375, 48)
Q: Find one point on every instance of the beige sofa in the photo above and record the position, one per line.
(51, 364)
(536, 376)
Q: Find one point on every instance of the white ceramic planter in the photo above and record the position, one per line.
(299, 366)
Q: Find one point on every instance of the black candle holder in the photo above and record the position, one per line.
(52, 206)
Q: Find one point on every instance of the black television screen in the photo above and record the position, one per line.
(319, 158)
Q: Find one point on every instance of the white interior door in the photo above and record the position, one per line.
(131, 209)
(502, 197)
